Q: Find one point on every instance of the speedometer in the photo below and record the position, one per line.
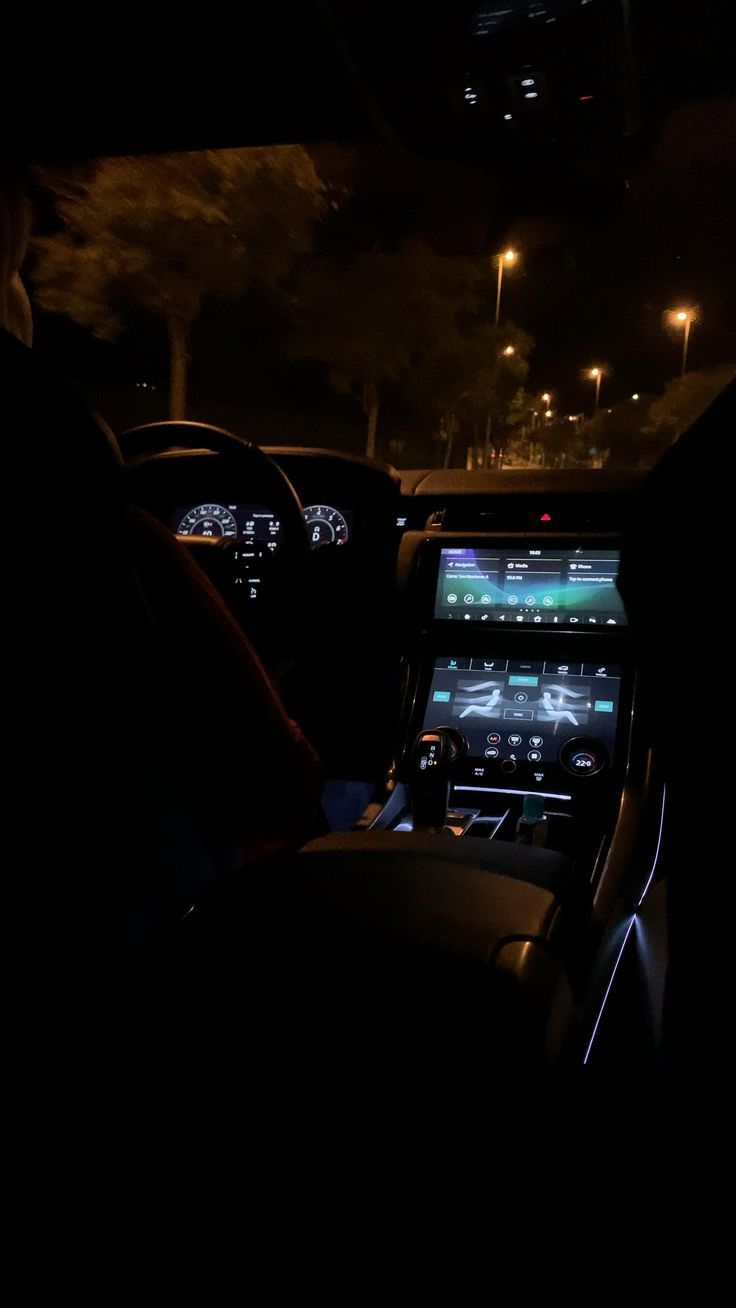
(208, 520)
(325, 525)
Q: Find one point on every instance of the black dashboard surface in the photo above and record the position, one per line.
(377, 495)
(517, 500)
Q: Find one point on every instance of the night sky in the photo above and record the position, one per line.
(598, 293)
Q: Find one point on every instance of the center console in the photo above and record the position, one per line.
(521, 646)
(519, 808)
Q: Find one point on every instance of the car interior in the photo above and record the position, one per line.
(368, 878)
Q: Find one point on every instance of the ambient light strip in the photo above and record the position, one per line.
(632, 921)
(496, 790)
(629, 928)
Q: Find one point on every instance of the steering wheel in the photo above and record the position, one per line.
(265, 590)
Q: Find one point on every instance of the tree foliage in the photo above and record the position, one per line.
(162, 234)
(373, 320)
(493, 401)
(621, 435)
(686, 398)
(417, 322)
(636, 433)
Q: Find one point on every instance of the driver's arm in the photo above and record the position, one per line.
(254, 777)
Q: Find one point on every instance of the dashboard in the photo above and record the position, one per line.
(349, 500)
(450, 598)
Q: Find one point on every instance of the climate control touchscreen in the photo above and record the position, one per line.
(528, 714)
(543, 587)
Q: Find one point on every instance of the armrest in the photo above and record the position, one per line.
(431, 891)
(546, 868)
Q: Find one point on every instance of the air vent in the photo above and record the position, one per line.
(436, 521)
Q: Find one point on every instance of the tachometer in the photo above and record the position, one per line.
(325, 525)
(208, 520)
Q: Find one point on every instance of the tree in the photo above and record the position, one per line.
(622, 436)
(684, 400)
(468, 385)
(162, 234)
(373, 320)
(562, 443)
(493, 402)
(636, 433)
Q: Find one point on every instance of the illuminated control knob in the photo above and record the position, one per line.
(583, 756)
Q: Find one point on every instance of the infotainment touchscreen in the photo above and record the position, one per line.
(524, 711)
(550, 587)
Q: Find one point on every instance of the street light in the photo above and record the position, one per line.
(596, 375)
(635, 396)
(683, 318)
(546, 398)
(510, 349)
(505, 260)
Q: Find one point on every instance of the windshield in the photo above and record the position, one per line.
(563, 300)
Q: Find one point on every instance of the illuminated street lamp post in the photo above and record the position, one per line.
(683, 318)
(596, 375)
(505, 260)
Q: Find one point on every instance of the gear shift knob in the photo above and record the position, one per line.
(430, 767)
